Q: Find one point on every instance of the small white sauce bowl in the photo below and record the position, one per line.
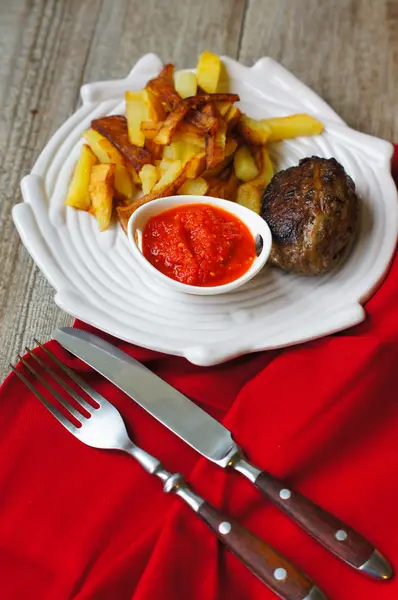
(256, 225)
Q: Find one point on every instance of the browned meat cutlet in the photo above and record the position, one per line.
(312, 211)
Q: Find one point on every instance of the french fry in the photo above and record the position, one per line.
(165, 165)
(194, 187)
(208, 71)
(230, 146)
(169, 175)
(165, 133)
(232, 117)
(215, 146)
(78, 193)
(106, 153)
(150, 128)
(114, 128)
(293, 126)
(190, 134)
(185, 83)
(134, 175)
(254, 132)
(156, 112)
(195, 166)
(215, 172)
(155, 149)
(264, 164)
(137, 110)
(189, 137)
(223, 107)
(244, 164)
(249, 195)
(101, 193)
(180, 151)
(207, 123)
(162, 88)
(149, 177)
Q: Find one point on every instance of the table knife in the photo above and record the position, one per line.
(214, 441)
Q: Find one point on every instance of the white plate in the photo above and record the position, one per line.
(97, 279)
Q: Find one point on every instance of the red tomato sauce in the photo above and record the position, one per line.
(199, 244)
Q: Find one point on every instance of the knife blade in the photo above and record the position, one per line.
(215, 442)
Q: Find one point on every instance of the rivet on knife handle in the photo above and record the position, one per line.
(332, 533)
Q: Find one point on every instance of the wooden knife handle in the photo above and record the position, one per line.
(281, 576)
(335, 535)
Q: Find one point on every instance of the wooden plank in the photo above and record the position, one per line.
(346, 50)
(48, 49)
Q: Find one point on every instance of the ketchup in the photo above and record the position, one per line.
(199, 244)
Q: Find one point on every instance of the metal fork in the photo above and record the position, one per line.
(103, 427)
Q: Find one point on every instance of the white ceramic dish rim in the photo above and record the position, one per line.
(256, 225)
(100, 98)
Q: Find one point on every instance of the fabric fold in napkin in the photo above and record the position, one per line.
(85, 524)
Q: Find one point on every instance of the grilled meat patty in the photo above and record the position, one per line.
(312, 211)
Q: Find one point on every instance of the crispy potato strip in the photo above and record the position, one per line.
(215, 146)
(162, 87)
(114, 128)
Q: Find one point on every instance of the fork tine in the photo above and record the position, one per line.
(54, 392)
(79, 399)
(54, 411)
(73, 375)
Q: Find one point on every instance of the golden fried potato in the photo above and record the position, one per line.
(169, 174)
(208, 71)
(106, 153)
(149, 177)
(162, 88)
(293, 126)
(114, 128)
(78, 193)
(180, 151)
(223, 107)
(194, 187)
(244, 164)
(150, 128)
(215, 146)
(190, 137)
(232, 117)
(216, 171)
(264, 164)
(249, 195)
(156, 112)
(230, 146)
(254, 132)
(195, 166)
(165, 164)
(185, 83)
(169, 126)
(101, 193)
(137, 110)
(155, 149)
(208, 123)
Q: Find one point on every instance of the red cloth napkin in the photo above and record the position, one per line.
(81, 523)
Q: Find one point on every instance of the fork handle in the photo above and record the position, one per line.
(281, 576)
(332, 533)
(275, 571)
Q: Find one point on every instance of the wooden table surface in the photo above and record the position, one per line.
(346, 50)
